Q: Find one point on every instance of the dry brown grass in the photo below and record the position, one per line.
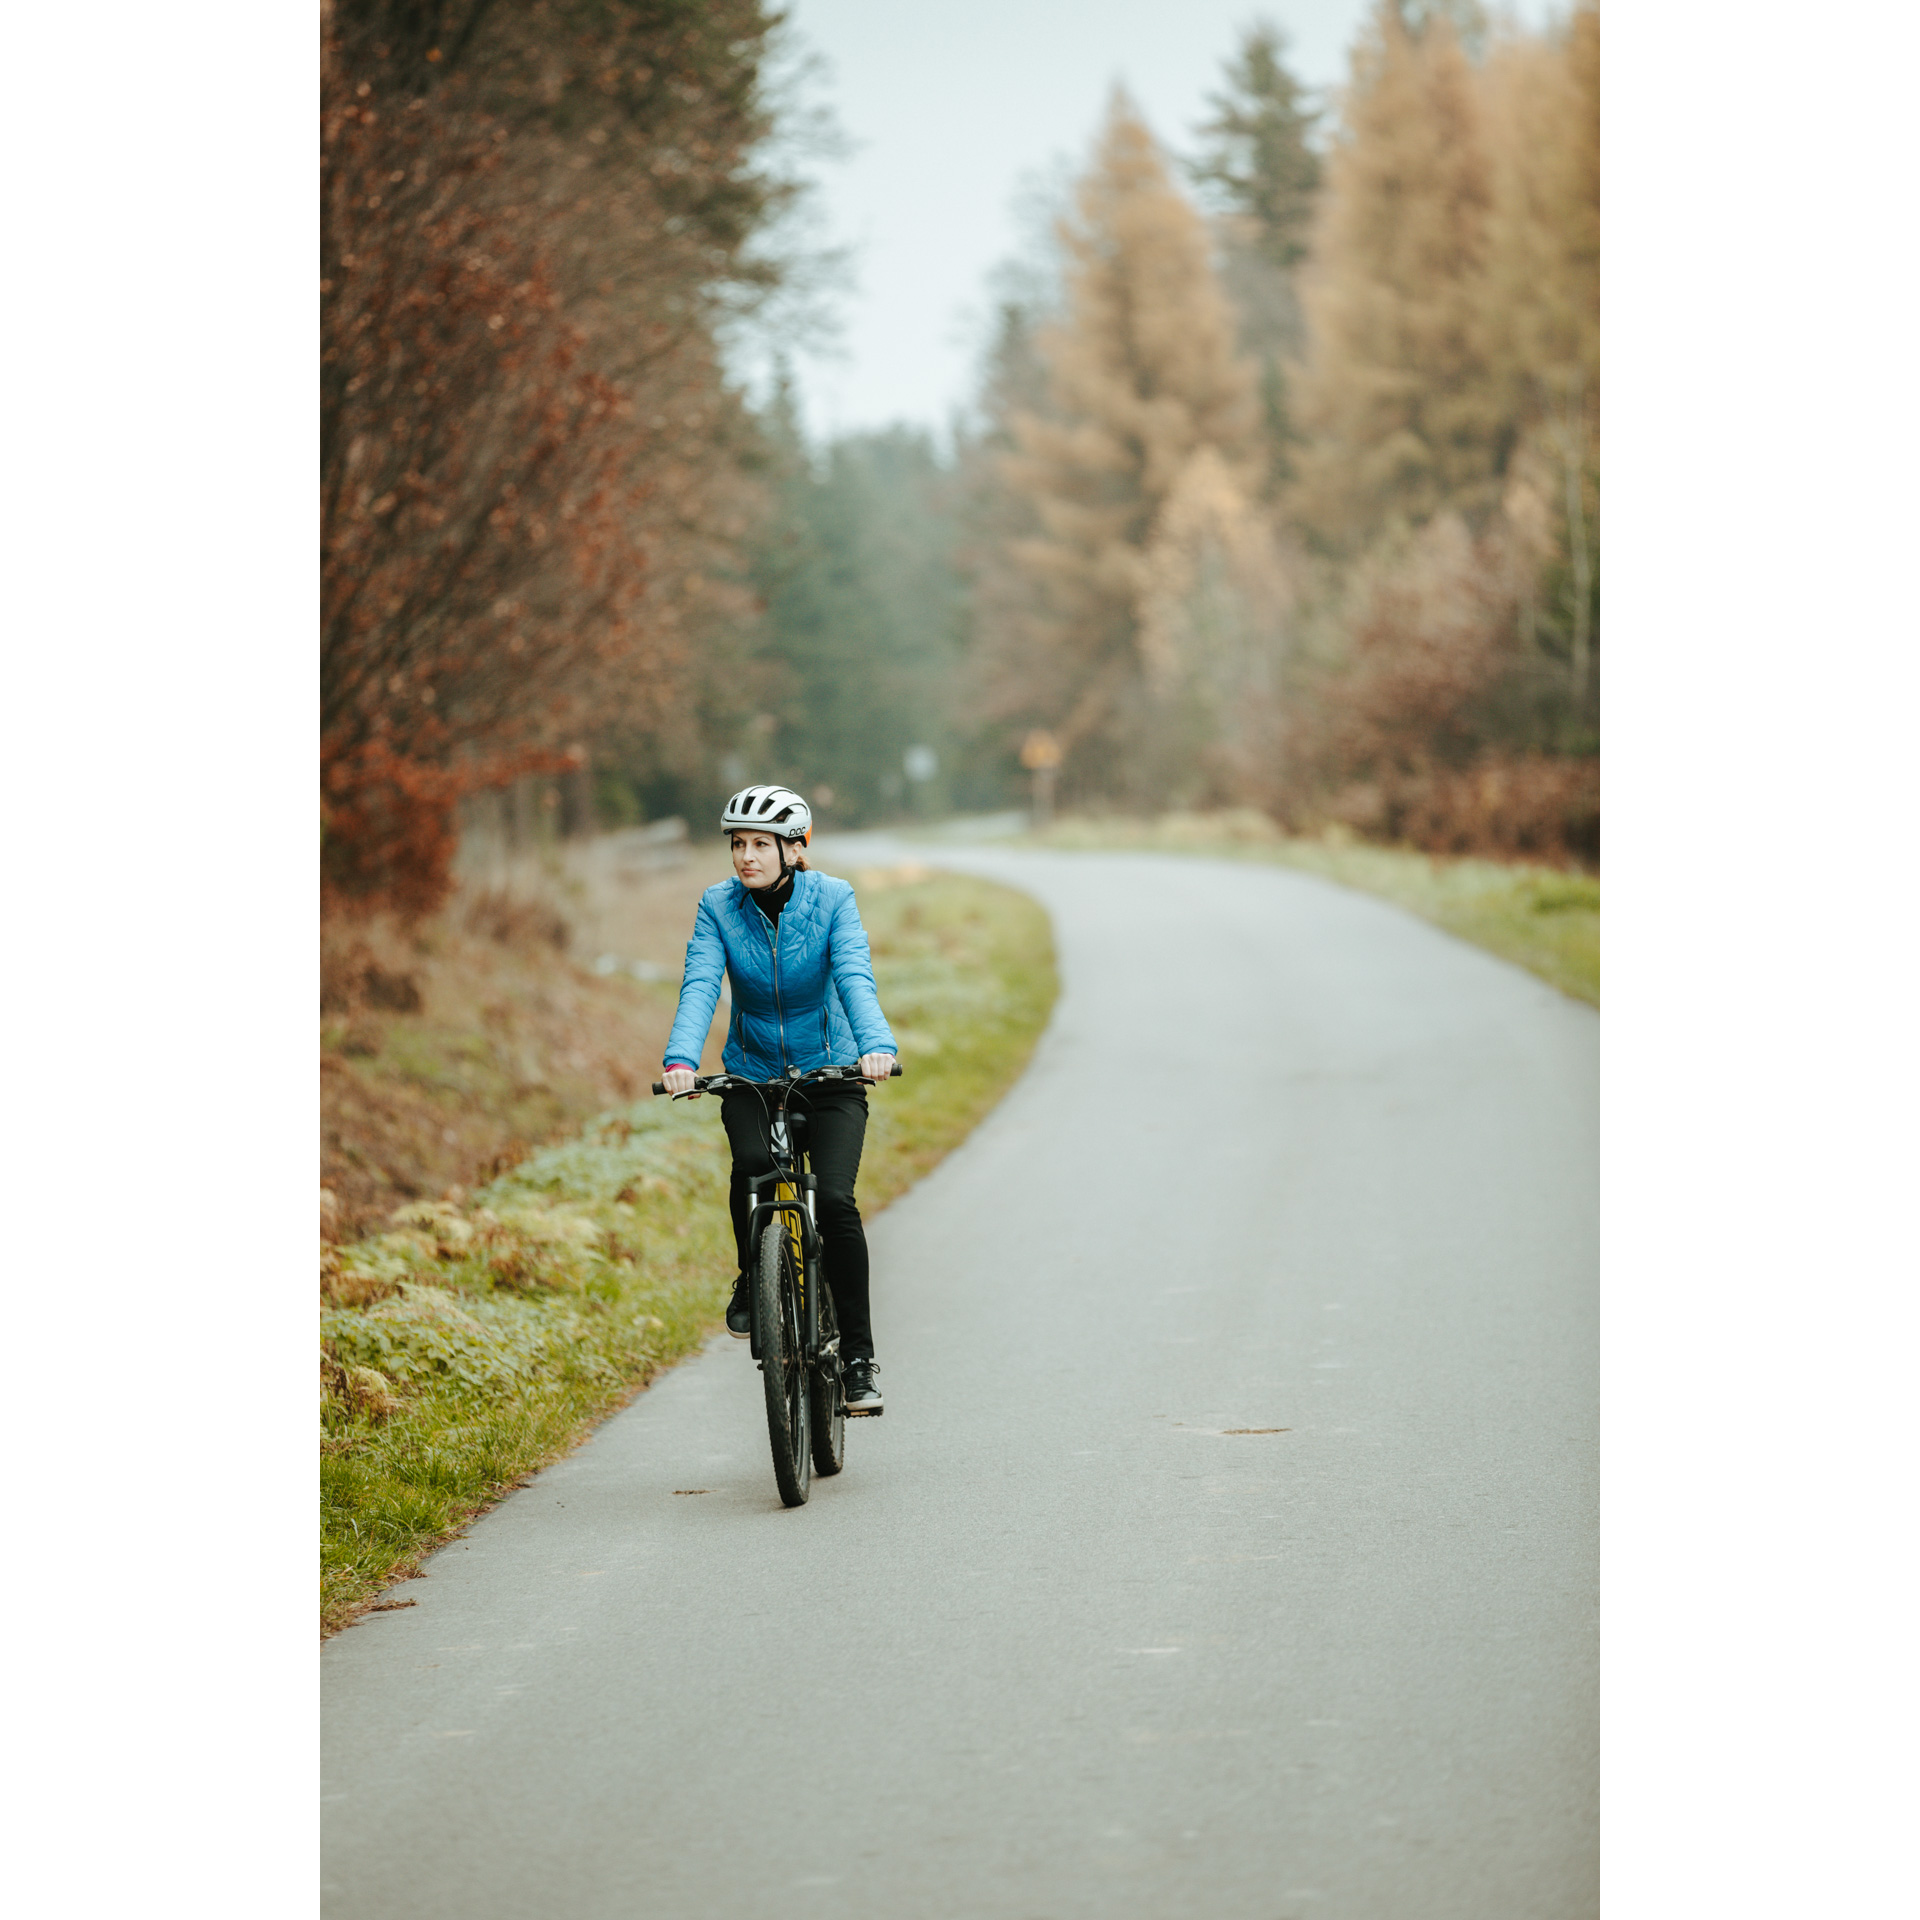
(450, 1050)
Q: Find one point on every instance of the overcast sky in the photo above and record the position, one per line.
(946, 107)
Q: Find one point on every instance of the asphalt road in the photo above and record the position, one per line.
(1075, 1634)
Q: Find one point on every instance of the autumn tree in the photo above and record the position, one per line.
(1426, 735)
(1542, 303)
(1141, 377)
(1399, 400)
(1396, 623)
(473, 561)
(536, 222)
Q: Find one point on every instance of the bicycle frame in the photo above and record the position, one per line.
(793, 1204)
(793, 1188)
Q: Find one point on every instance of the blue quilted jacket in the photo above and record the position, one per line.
(803, 992)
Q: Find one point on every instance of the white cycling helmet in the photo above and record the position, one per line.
(776, 810)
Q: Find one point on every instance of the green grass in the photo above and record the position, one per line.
(474, 1344)
(1541, 918)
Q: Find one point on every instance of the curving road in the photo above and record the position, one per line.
(1075, 1636)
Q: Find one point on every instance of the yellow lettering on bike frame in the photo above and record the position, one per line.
(788, 1197)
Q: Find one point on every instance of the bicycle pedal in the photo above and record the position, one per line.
(865, 1413)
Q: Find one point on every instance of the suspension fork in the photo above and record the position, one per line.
(807, 1234)
(768, 1213)
(810, 1265)
(794, 1216)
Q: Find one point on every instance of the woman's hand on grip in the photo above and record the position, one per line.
(679, 1080)
(876, 1066)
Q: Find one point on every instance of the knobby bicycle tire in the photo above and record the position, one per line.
(828, 1416)
(783, 1362)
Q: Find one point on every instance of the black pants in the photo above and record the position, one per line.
(836, 1129)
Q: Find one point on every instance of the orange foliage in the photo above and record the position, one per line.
(1501, 806)
(388, 827)
(1410, 741)
(1429, 644)
(388, 822)
(477, 576)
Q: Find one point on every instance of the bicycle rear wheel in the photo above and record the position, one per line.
(829, 1411)
(783, 1361)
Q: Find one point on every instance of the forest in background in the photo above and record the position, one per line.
(1281, 488)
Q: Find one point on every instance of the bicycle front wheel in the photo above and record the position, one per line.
(783, 1361)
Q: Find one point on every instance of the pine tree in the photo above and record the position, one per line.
(1467, 18)
(856, 571)
(1142, 375)
(1257, 164)
(1258, 155)
(1399, 399)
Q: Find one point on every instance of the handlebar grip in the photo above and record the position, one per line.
(895, 1074)
(659, 1086)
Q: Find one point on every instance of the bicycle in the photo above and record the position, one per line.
(794, 1339)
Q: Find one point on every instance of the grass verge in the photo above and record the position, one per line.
(1545, 919)
(477, 1341)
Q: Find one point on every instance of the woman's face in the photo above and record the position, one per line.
(756, 859)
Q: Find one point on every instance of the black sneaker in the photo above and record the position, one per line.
(863, 1396)
(740, 1308)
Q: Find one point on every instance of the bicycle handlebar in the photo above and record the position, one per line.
(720, 1082)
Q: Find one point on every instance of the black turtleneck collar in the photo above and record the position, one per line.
(771, 899)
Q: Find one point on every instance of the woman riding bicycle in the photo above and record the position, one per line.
(790, 942)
